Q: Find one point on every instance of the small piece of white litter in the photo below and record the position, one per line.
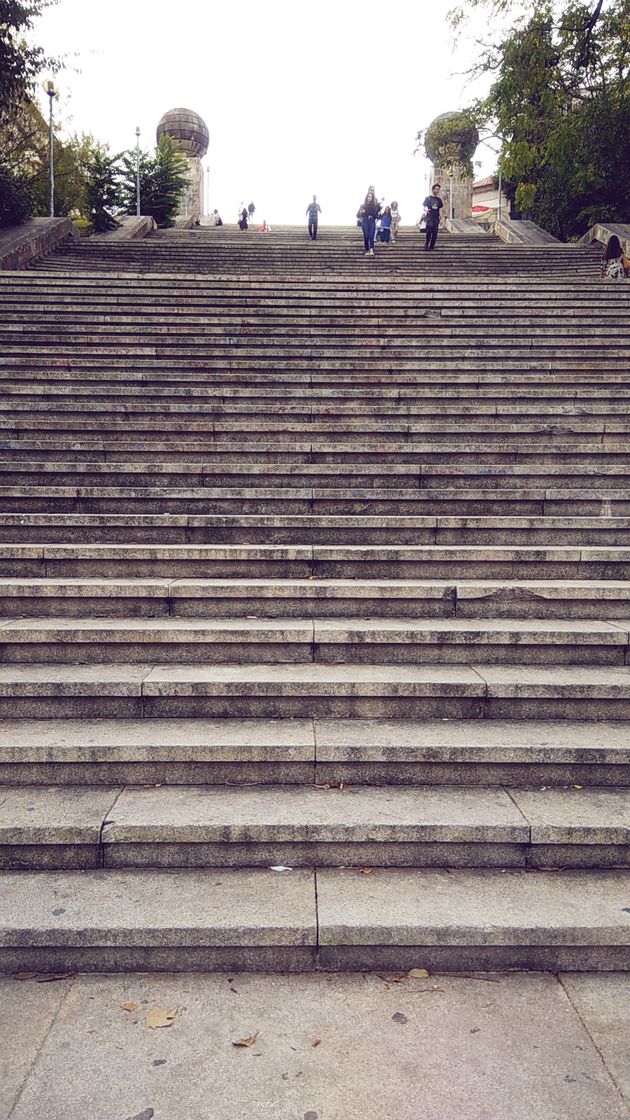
(281, 868)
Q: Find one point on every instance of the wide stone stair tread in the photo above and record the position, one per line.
(311, 597)
(306, 689)
(250, 740)
(307, 678)
(126, 919)
(467, 631)
(53, 815)
(242, 640)
(381, 752)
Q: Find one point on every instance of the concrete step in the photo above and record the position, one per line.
(311, 529)
(311, 597)
(260, 920)
(277, 691)
(245, 640)
(390, 501)
(599, 480)
(378, 752)
(60, 828)
(482, 459)
(313, 562)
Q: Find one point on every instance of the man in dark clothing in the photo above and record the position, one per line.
(433, 205)
(313, 210)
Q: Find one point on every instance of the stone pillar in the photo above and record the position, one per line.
(194, 194)
(462, 191)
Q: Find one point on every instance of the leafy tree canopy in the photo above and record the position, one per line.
(20, 61)
(559, 102)
(163, 181)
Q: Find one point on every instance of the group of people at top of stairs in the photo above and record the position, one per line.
(246, 217)
(371, 212)
(379, 222)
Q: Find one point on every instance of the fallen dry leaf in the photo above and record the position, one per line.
(158, 1017)
(316, 1042)
(417, 974)
(49, 977)
(26, 975)
(246, 1041)
(130, 1006)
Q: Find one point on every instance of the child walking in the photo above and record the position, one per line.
(395, 218)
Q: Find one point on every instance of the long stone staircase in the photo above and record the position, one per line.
(315, 610)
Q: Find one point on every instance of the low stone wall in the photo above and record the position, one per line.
(19, 245)
(467, 226)
(131, 228)
(603, 230)
(522, 233)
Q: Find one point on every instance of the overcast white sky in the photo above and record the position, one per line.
(321, 98)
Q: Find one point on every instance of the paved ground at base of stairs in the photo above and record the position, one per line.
(325, 1047)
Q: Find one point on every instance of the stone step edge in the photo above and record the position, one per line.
(308, 632)
(168, 590)
(330, 919)
(481, 681)
(203, 813)
(317, 552)
(310, 740)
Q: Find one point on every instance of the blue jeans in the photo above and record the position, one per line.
(368, 225)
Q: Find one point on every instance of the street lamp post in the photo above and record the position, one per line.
(450, 192)
(207, 190)
(137, 172)
(51, 91)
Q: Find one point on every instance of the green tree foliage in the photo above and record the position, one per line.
(20, 61)
(163, 182)
(450, 141)
(559, 101)
(102, 188)
(72, 172)
(22, 129)
(16, 201)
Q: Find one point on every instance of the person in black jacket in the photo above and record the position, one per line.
(368, 213)
(433, 205)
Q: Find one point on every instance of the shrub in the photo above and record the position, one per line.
(16, 196)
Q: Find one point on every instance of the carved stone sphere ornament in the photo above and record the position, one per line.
(451, 137)
(187, 129)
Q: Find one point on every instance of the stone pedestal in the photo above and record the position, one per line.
(193, 199)
(461, 186)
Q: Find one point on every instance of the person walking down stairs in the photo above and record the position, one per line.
(433, 205)
(386, 225)
(395, 212)
(312, 211)
(242, 220)
(368, 212)
(251, 210)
